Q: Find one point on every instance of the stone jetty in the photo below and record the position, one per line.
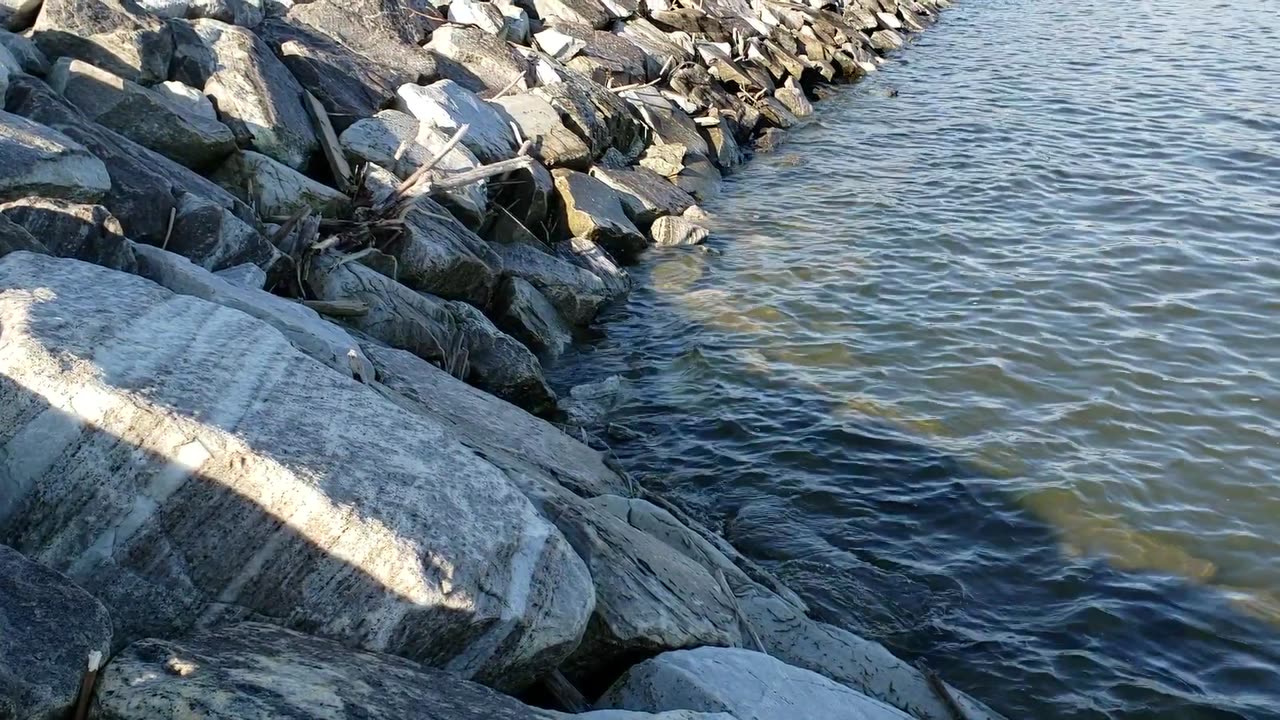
(278, 281)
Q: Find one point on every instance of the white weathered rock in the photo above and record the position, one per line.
(723, 147)
(558, 45)
(593, 210)
(74, 230)
(553, 144)
(887, 40)
(49, 626)
(188, 98)
(794, 98)
(659, 47)
(483, 62)
(275, 189)
(258, 481)
(448, 106)
(576, 293)
(256, 95)
(303, 327)
(36, 160)
(526, 314)
(743, 683)
(146, 117)
(584, 12)
(115, 35)
(646, 195)
(674, 230)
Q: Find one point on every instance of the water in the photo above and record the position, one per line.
(988, 370)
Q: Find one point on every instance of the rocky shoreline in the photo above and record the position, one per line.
(277, 283)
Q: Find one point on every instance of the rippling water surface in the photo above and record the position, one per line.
(988, 369)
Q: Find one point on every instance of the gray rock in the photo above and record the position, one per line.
(794, 99)
(144, 184)
(659, 47)
(272, 486)
(439, 255)
(592, 258)
(482, 61)
(743, 683)
(398, 142)
(500, 365)
(673, 230)
(74, 230)
(446, 105)
(256, 95)
(484, 16)
(646, 195)
(523, 312)
(583, 12)
(589, 404)
(515, 21)
(771, 139)
(24, 51)
(593, 210)
(502, 433)
(350, 86)
(596, 114)
(385, 33)
(246, 13)
(189, 99)
(49, 626)
(554, 144)
(214, 238)
(275, 189)
(303, 327)
(36, 160)
(609, 59)
(18, 14)
(15, 238)
(245, 275)
(723, 147)
(115, 35)
(886, 40)
(146, 117)
(253, 671)
(576, 293)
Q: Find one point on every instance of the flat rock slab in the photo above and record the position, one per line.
(385, 33)
(646, 195)
(49, 626)
(594, 210)
(743, 683)
(36, 160)
(257, 96)
(448, 106)
(584, 12)
(554, 144)
(142, 115)
(188, 466)
(115, 35)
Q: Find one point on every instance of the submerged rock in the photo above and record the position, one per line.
(50, 626)
(674, 230)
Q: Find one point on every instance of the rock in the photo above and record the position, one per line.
(673, 230)
(723, 146)
(386, 34)
(36, 160)
(646, 195)
(439, 255)
(558, 45)
(553, 144)
(593, 210)
(863, 665)
(526, 314)
(245, 275)
(502, 433)
(660, 48)
(794, 99)
(256, 95)
(74, 230)
(189, 99)
(699, 178)
(485, 16)
(144, 184)
(18, 14)
(15, 238)
(583, 12)
(592, 258)
(886, 40)
(49, 626)
(276, 190)
(589, 404)
(771, 139)
(576, 293)
(272, 486)
(596, 114)
(448, 106)
(24, 52)
(115, 35)
(379, 139)
(349, 86)
(148, 118)
(214, 238)
(773, 112)
(889, 20)
(665, 160)
(498, 364)
(515, 21)
(253, 671)
(743, 683)
(609, 59)
(302, 326)
(246, 13)
(671, 125)
(482, 61)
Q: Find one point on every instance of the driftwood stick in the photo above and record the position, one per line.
(286, 227)
(338, 308)
(940, 689)
(168, 233)
(509, 87)
(328, 141)
(428, 165)
(564, 692)
(463, 179)
(86, 685)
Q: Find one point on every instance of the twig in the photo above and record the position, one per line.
(428, 165)
(940, 689)
(328, 141)
(86, 685)
(168, 233)
(510, 86)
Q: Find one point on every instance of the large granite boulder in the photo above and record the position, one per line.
(553, 144)
(115, 35)
(274, 188)
(498, 364)
(583, 12)
(592, 258)
(387, 34)
(246, 13)
(439, 255)
(188, 466)
(215, 238)
(743, 683)
(575, 292)
(74, 230)
(257, 96)
(482, 62)
(523, 312)
(15, 238)
(36, 160)
(601, 118)
(448, 106)
(646, 195)
(49, 627)
(147, 117)
(593, 210)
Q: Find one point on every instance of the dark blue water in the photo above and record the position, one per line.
(988, 369)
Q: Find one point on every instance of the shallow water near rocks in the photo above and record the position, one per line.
(988, 370)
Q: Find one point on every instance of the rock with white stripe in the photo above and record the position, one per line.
(186, 465)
